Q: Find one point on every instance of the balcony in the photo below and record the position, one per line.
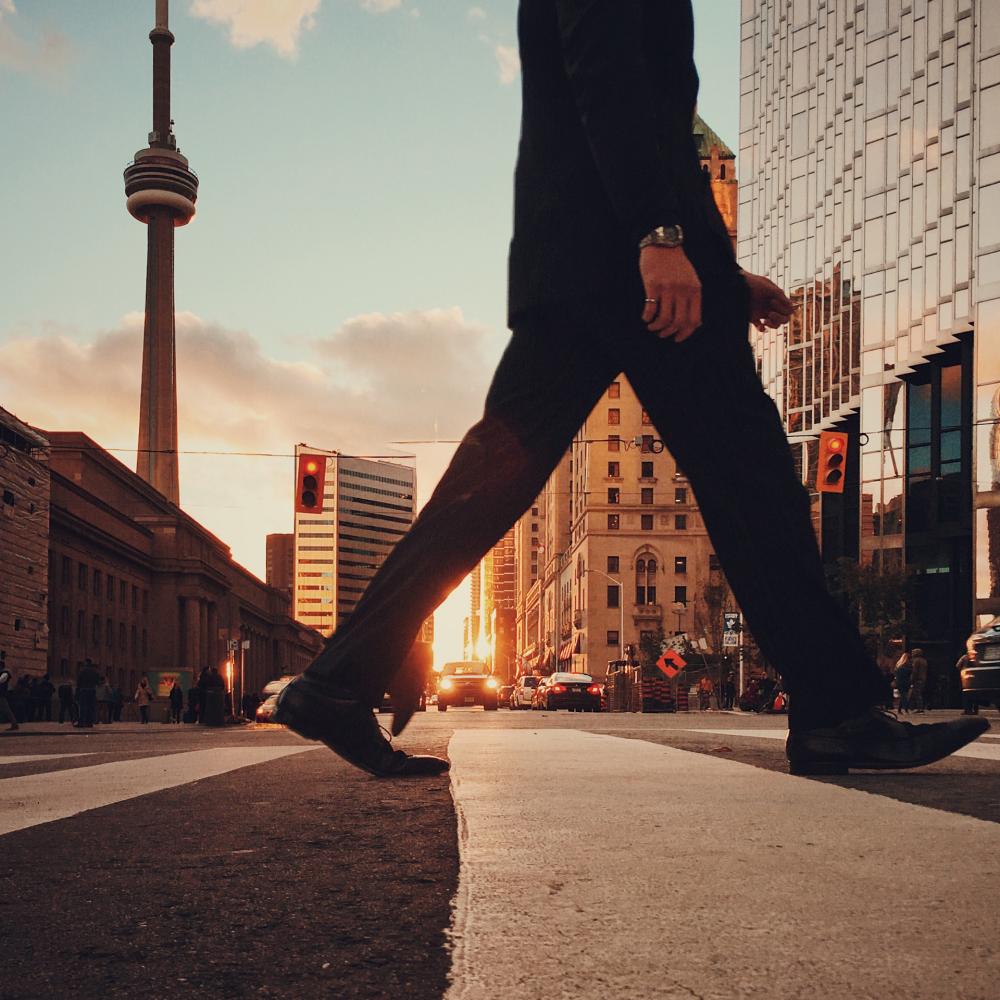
(647, 612)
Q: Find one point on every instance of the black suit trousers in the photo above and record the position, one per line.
(709, 407)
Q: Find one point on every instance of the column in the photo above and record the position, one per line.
(191, 640)
(205, 646)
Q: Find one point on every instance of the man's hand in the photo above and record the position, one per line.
(673, 292)
(769, 305)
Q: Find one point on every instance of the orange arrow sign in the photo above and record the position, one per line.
(671, 663)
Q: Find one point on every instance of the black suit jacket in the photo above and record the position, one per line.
(606, 152)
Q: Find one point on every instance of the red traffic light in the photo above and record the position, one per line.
(309, 484)
(831, 465)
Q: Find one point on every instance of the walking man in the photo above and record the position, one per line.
(176, 702)
(143, 696)
(918, 681)
(86, 695)
(67, 707)
(6, 715)
(620, 262)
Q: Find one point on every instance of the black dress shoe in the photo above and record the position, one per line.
(349, 728)
(877, 740)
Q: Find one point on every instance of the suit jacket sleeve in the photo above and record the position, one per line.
(603, 55)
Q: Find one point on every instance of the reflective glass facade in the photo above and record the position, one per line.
(870, 190)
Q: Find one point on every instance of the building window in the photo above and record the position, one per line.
(612, 596)
(613, 637)
(614, 494)
(613, 521)
(645, 581)
(614, 390)
(64, 620)
(122, 592)
(145, 644)
(135, 641)
(110, 589)
(81, 577)
(614, 470)
(95, 630)
(646, 494)
(614, 442)
(612, 564)
(122, 637)
(97, 583)
(109, 634)
(534, 528)
(645, 418)
(135, 597)
(614, 415)
(647, 444)
(680, 564)
(680, 595)
(145, 602)
(681, 494)
(66, 571)
(647, 470)
(534, 512)
(680, 522)
(646, 522)
(713, 561)
(80, 626)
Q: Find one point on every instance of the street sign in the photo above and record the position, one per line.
(730, 640)
(233, 645)
(671, 663)
(731, 621)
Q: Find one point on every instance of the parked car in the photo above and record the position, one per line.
(467, 682)
(576, 692)
(265, 710)
(503, 695)
(386, 705)
(524, 688)
(981, 675)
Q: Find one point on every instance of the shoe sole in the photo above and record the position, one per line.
(805, 769)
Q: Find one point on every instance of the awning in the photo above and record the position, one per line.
(568, 648)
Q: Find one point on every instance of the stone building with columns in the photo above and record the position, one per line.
(138, 586)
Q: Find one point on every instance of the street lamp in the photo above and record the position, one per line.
(621, 608)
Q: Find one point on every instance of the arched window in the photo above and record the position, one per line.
(722, 171)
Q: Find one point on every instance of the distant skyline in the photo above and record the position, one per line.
(343, 283)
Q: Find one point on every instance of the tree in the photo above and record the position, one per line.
(649, 647)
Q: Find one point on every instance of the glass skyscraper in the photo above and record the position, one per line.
(870, 190)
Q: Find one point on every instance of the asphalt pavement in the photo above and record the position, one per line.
(568, 855)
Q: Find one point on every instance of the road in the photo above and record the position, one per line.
(568, 855)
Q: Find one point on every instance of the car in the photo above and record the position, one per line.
(265, 710)
(386, 705)
(576, 692)
(467, 682)
(980, 676)
(503, 696)
(524, 688)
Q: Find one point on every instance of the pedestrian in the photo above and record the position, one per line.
(705, 690)
(143, 698)
(67, 706)
(729, 691)
(918, 681)
(620, 262)
(887, 668)
(117, 701)
(32, 699)
(44, 692)
(176, 702)
(904, 679)
(105, 702)
(86, 695)
(6, 714)
(251, 702)
(194, 699)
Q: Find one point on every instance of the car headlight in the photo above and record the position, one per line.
(491, 682)
(446, 685)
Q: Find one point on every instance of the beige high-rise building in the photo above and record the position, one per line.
(497, 594)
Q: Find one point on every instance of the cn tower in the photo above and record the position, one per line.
(161, 191)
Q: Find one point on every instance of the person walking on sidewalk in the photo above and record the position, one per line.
(143, 697)
(105, 702)
(621, 262)
(176, 702)
(6, 714)
(44, 692)
(904, 681)
(86, 695)
(918, 681)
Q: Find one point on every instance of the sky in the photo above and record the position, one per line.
(344, 280)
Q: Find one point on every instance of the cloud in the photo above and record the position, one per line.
(476, 14)
(379, 378)
(381, 6)
(508, 63)
(261, 22)
(26, 49)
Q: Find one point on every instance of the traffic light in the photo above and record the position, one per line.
(832, 462)
(309, 484)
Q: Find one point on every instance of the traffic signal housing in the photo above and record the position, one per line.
(832, 464)
(309, 484)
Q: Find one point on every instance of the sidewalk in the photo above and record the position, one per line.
(65, 729)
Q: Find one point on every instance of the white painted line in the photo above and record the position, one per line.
(28, 758)
(595, 867)
(41, 798)
(977, 750)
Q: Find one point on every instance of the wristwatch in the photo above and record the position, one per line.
(663, 236)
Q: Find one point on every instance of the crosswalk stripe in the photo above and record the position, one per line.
(30, 758)
(977, 750)
(41, 798)
(594, 866)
